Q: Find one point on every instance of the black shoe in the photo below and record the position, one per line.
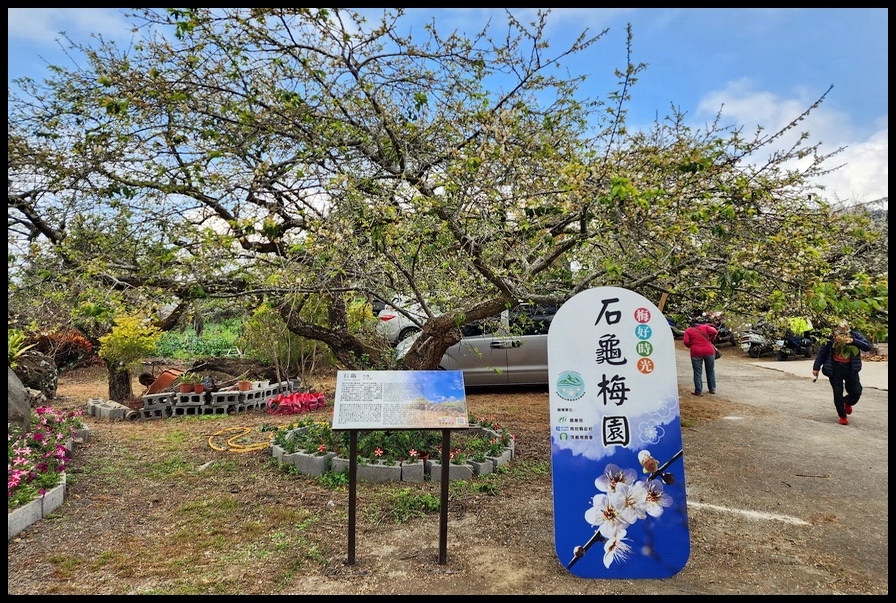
(696, 394)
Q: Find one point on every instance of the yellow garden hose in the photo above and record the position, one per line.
(232, 442)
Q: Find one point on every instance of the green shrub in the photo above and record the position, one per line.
(131, 339)
(217, 340)
(404, 504)
(16, 340)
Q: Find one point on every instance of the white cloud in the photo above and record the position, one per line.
(42, 25)
(864, 175)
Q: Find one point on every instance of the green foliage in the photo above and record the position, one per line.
(461, 488)
(477, 448)
(167, 468)
(314, 437)
(334, 479)
(36, 459)
(190, 378)
(398, 445)
(536, 177)
(132, 339)
(266, 338)
(863, 302)
(404, 504)
(485, 487)
(17, 344)
(218, 339)
(393, 446)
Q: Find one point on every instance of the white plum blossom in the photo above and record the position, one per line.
(632, 501)
(613, 475)
(656, 499)
(651, 432)
(623, 501)
(616, 549)
(605, 516)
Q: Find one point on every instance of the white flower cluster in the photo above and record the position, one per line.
(623, 501)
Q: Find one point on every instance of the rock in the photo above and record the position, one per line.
(38, 371)
(18, 406)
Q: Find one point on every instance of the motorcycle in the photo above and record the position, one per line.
(725, 335)
(758, 341)
(795, 345)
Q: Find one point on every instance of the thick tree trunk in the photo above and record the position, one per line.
(120, 387)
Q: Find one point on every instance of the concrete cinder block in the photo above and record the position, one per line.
(413, 472)
(377, 472)
(454, 471)
(20, 518)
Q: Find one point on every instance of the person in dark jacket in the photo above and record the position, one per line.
(840, 360)
(698, 338)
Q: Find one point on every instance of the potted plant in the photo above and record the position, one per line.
(243, 383)
(189, 382)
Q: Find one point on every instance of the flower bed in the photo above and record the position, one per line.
(37, 459)
(383, 455)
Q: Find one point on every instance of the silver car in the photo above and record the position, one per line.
(511, 349)
(395, 326)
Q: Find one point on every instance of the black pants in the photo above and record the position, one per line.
(843, 377)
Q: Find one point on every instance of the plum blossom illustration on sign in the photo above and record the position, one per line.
(622, 500)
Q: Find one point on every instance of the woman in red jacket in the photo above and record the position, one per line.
(699, 338)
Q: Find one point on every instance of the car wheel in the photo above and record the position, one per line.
(407, 332)
(754, 351)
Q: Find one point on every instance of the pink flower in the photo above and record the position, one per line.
(378, 452)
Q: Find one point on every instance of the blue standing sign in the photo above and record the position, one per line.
(620, 508)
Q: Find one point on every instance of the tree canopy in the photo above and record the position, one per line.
(307, 158)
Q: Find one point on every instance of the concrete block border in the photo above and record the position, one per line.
(22, 517)
(315, 464)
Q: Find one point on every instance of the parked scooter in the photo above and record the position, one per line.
(758, 340)
(726, 335)
(795, 345)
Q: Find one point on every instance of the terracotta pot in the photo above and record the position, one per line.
(186, 388)
(244, 386)
(163, 381)
(199, 388)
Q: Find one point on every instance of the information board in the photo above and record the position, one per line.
(620, 508)
(400, 400)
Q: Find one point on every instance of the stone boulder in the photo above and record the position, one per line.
(38, 371)
(18, 405)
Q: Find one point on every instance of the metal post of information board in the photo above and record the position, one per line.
(387, 400)
(443, 504)
(352, 492)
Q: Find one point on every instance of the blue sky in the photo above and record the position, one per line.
(759, 66)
